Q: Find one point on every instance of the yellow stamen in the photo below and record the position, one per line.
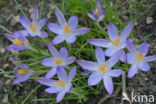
(116, 43)
(58, 61)
(102, 68)
(139, 57)
(21, 71)
(60, 83)
(96, 13)
(66, 29)
(18, 42)
(33, 27)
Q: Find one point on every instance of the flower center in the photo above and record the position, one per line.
(66, 29)
(58, 61)
(102, 68)
(96, 13)
(139, 57)
(17, 42)
(33, 27)
(116, 42)
(60, 83)
(21, 71)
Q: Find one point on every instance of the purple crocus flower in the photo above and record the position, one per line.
(97, 14)
(138, 58)
(19, 41)
(102, 69)
(61, 86)
(116, 42)
(66, 31)
(22, 74)
(58, 59)
(33, 28)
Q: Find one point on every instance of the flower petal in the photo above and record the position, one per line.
(60, 96)
(73, 22)
(115, 73)
(144, 66)
(51, 73)
(132, 71)
(100, 42)
(109, 51)
(21, 78)
(44, 34)
(89, 65)
(91, 16)
(58, 39)
(100, 56)
(101, 18)
(10, 37)
(54, 89)
(150, 58)
(61, 73)
(35, 14)
(60, 16)
(85, 72)
(25, 22)
(112, 32)
(108, 83)
(55, 28)
(43, 21)
(70, 60)
(63, 52)
(72, 74)
(15, 47)
(95, 78)
(48, 62)
(97, 5)
(130, 58)
(22, 65)
(126, 32)
(131, 47)
(81, 31)
(70, 39)
(52, 50)
(47, 82)
(143, 49)
(123, 57)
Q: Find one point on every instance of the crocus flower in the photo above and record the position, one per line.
(22, 74)
(33, 28)
(116, 42)
(61, 86)
(97, 13)
(58, 59)
(18, 40)
(138, 58)
(66, 31)
(102, 69)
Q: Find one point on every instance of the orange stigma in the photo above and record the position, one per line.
(139, 57)
(116, 43)
(58, 61)
(66, 29)
(96, 13)
(102, 68)
(21, 71)
(33, 27)
(17, 42)
(60, 83)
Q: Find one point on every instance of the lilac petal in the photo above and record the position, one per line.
(132, 71)
(70, 87)
(52, 50)
(97, 5)
(21, 78)
(100, 56)
(144, 66)
(10, 37)
(15, 47)
(44, 34)
(72, 74)
(70, 60)
(101, 12)
(109, 51)
(55, 28)
(123, 57)
(131, 40)
(101, 18)
(58, 39)
(115, 73)
(108, 83)
(91, 16)
(85, 72)
(35, 14)
(100, 42)
(43, 21)
(61, 73)
(143, 49)
(48, 62)
(89, 65)
(112, 32)
(51, 73)
(81, 31)
(93, 10)
(24, 33)
(63, 52)
(60, 96)
(131, 47)
(127, 31)
(60, 16)
(22, 65)
(54, 89)
(47, 82)
(95, 78)
(73, 22)
(150, 58)
(114, 58)
(130, 58)
(25, 22)
(70, 39)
